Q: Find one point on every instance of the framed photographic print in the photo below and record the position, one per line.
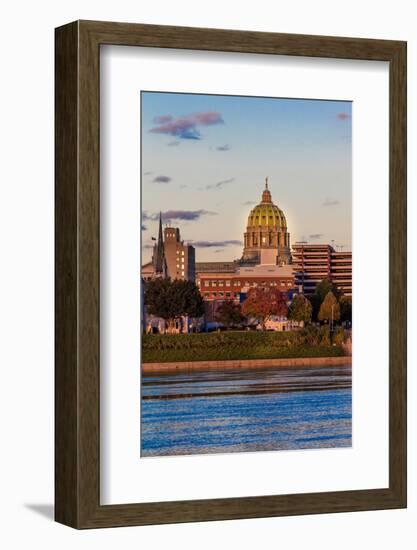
(230, 274)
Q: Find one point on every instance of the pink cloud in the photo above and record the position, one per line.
(162, 119)
(207, 119)
(186, 127)
(342, 116)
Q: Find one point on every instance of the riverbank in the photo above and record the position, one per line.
(234, 345)
(246, 364)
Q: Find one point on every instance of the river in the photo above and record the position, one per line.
(246, 410)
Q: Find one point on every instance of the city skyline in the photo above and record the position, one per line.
(205, 159)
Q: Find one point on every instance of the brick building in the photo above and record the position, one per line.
(218, 286)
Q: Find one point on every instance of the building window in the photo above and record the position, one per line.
(228, 283)
(227, 294)
(220, 294)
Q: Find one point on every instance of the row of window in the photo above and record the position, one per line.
(246, 283)
(221, 295)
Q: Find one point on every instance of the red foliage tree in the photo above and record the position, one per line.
(263, 303)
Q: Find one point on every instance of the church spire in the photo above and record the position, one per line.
(159, 251)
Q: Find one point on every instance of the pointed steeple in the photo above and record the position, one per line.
(266, 195)
(159, 260)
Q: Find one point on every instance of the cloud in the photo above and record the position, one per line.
(215, 244)
(248, 203)
(342, 116)
(331, 202)
(186, 127)
(315, 236)
(171, 215)
(147, 173)
(173, 143)
(220, 184)
(223, 148)
(162, 119)
(183, 186)
(185, 215)
(162, 179)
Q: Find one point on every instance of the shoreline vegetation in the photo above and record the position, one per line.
(309, 343)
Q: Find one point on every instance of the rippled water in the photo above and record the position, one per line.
(231, 410)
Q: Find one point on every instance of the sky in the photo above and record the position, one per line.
(205, 158)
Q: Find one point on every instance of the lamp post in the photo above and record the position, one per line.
(331, 325)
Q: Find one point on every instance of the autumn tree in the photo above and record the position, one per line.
(322, 289)
(262, 304)
(172, 300)
(300, 309)
(229, 313)
(329, 309)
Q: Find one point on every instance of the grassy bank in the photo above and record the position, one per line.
(237, 345)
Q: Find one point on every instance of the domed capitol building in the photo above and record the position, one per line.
(266, 239)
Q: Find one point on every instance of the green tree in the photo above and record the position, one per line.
(345, 303)
(172, 300)
(329, 309)
(322, 289)
(229, 314)
(300, 309)
(263, 303)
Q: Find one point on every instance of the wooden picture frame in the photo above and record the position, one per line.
(77, 405)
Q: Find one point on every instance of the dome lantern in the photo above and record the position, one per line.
(266, 195)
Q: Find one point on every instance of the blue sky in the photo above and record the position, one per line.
(205, 159)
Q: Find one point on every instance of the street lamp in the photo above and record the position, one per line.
(331, 325)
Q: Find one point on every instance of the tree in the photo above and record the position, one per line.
(345, 309)
(322, 289)
(329, 309)
(300, 309)
(229, 314)
(264, 303)
(172, 300)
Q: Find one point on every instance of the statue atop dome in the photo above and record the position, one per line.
(266, 240)
(266, 195)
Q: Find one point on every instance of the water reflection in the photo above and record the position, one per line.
(222, 411)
